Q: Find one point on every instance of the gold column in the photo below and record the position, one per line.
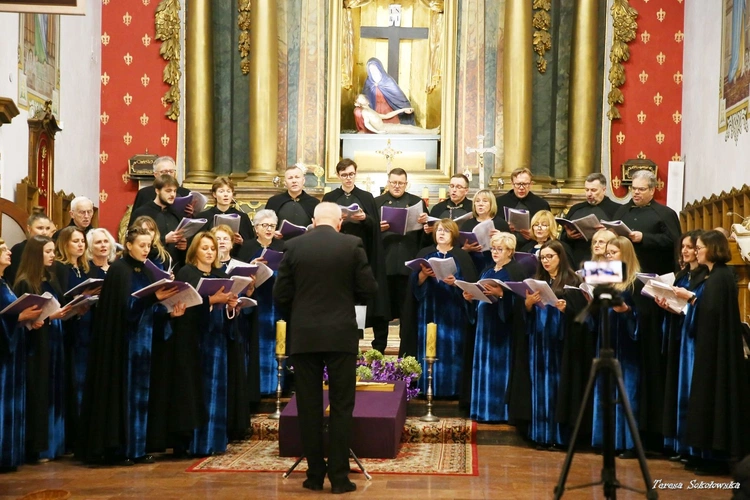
(582, 110)
(199, 106)
(518, 65)
(264, 92)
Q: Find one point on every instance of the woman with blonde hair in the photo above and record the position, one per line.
(599, 244)
(484, 208)
(544, 228)
(101, 250)
(158, 254)
(624, 340)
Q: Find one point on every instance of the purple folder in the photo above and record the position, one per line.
(209, 286)
(288, 229)
(272, 257)
(153, 287)
(158, 273)
(528, 262)
(395, 217)
(464, 236)
(23, 302)
(519, 287)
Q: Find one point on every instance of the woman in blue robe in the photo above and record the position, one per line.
(491, 367)
(208, 323)
(678, 341)
(441, 302)
(72, 268)
(101, 251)
(115, 409)
(624, 341)
(12, 371)
(548, 328)
(267, 314)
(45, 369)
(484, 208)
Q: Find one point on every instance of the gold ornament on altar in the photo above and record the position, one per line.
(389, 153)
(168, 31)
(624, 31)
(127, 19)
(318, 171)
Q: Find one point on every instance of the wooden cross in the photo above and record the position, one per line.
(394, 33)
(389, 153)
(480, 150)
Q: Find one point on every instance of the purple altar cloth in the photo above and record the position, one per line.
(376, 430)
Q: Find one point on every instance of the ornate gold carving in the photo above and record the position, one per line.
(243, 23)
(127, 138)
(105, 39)
(659, 137)
(542, 39)
(658, 99)
(677, 77)
(127, 19)
(168, 31)
(144, 119)
(103, 157)
(643, 76)
(104, 118)
(164, 140)
(641, 155)
(645, 36)
(105, 78)
(641, 117)
(677, 116)
(620, 138)
(625, 27)
(660, 58)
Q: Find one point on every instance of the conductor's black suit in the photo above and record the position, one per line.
(322, 276)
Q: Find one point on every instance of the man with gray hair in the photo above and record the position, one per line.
(597, 204)
(81, 215)
(163, 165)
(323, 274)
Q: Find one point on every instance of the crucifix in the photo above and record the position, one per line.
(389, 153)
(480, 150)
(394, 33)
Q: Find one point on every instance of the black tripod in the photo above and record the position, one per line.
(608, 366)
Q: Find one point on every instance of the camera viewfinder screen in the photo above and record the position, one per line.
(602, 272)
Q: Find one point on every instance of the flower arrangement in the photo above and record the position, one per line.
(372, 365)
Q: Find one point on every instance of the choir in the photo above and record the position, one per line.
(139, 372)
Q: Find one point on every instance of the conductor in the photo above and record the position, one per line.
(322, 275)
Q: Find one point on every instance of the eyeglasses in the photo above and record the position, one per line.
(639, 189)
(457, 186)
(699, 247)
(541, 225)
(497, 249)
(600, 242)
(524, 185)
(347, 175)
(547, 257)
(611, 254)
(85, 212)
(167, 171)
(442, 230)
(397, 183)
(268, 225)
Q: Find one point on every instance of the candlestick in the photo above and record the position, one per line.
(441, 194)
(280, 337)
(279, 372)
(431, 344)
(429, 417)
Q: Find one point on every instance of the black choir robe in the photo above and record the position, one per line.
(369, 231)
(581, 248)
(148, 193)
(167, 221)
(530, 202)
(307, 202)
(246, 227)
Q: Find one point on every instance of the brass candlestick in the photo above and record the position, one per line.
(429, 417)
(279, 371)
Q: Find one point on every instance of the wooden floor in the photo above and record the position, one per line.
(505, 472)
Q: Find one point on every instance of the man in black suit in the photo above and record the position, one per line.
(596, 203)
(163, 165)
(322, 276)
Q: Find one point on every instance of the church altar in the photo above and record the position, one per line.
(410, 152)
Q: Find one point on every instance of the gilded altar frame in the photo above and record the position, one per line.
(442, 174)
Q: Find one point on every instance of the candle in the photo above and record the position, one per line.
(280, 337)
(442, 193)
(327, 189)
(431, 347)
(425, 193)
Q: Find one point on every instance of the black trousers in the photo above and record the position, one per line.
(308, 374)
(397, 286)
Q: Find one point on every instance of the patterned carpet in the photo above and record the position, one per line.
(447, 447)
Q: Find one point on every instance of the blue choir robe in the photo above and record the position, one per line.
(624, 342)
(546, 330)
(12, 383)
(444, 305)
(492, 354)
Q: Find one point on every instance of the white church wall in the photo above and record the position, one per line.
(712, 163)
(77, 146)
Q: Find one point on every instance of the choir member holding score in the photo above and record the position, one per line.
(520, 197)
(222, 191)
(484, 208)
(100, 251)
(495, 323)
(45, 369)
(158, 254)
(13, 345)
(544, 228)
(38, 224)
(116, 397)
(599, 244)
(293, 205)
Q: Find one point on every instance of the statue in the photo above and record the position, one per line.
(384, 93)
(376, 123)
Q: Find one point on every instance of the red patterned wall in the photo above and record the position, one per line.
(132, 111)
(651, 123)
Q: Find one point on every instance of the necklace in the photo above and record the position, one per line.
(76, 271)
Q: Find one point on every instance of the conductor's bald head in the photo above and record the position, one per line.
(327, 214)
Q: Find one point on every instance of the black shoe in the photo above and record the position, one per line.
(145, 459)
(712, 468)
(693, 463)
(343, 487)
(628, 455)
(312, 484)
